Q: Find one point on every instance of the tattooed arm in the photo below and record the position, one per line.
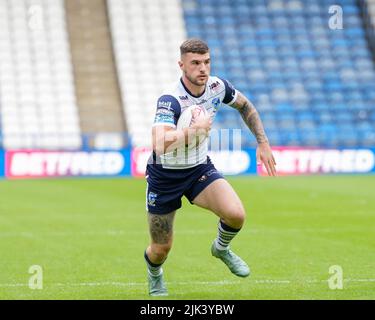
(251, 117)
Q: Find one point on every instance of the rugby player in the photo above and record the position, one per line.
(171, 175)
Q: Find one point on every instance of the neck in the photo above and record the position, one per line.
(193, 88)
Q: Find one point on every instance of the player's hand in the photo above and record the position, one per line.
(265, 156)
(203, 124)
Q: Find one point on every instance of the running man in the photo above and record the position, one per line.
(170, 175)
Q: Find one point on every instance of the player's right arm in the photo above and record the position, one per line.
(165, 136)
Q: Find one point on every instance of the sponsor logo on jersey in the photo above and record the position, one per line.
(164, 118)
(214, 85)
(165, 105)
(184, 101)
(151, 199)
(167, 112)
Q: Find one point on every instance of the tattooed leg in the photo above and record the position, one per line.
(161, 232)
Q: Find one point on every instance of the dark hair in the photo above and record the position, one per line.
(194, 45)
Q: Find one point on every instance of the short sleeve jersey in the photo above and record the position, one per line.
(174, 101)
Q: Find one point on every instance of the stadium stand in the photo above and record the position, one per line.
(96, 82)
(309, 84)
(37, 101)
(306, 80)
(146, 38)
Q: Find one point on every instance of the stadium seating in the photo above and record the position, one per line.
(37, 100)
(146, 36)
(308, 83)
(313, 86)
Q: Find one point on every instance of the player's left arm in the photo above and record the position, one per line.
(252, 119)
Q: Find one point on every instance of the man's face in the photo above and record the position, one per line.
(196, 67)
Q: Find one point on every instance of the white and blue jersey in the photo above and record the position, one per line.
(174, 175)
(171, 105)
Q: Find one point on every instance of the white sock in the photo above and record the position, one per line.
(224, 236)
(153, 269)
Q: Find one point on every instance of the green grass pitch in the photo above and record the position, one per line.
(89, 236)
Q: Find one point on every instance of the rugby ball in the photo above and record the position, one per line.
(190, 114)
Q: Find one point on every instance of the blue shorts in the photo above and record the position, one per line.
(165, 187)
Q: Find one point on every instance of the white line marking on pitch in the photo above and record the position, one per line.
(212, 283)
(116, 233)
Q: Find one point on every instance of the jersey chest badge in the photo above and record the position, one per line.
(216, 102)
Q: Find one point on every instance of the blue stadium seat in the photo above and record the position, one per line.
(265, 48)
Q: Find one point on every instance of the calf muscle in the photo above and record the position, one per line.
(161, 227)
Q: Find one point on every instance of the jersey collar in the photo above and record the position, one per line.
(188, 91)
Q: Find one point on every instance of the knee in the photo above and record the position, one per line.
(236, 216)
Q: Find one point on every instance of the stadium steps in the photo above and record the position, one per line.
(368, 14)
(146, 39)
(97, 90)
